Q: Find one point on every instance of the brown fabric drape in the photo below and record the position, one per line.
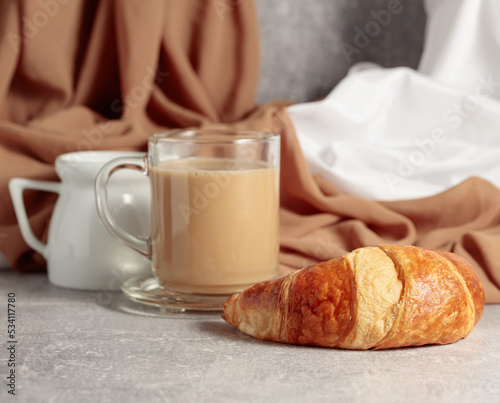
(99, 75)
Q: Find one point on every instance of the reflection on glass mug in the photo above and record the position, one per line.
(214, 211)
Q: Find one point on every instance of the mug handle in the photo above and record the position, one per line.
(140, 244)
(17, 186)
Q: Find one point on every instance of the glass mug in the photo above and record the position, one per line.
(214, 216)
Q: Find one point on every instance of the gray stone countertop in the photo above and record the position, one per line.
(77, 346)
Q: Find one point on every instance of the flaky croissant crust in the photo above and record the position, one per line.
(372, 298)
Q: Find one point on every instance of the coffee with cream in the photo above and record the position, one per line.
(214, 224)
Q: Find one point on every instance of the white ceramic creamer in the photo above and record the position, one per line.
(80, 253)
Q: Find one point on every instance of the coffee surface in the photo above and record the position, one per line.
(214, 224)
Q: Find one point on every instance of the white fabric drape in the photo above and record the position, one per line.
(398, 133)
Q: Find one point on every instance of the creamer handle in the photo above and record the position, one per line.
(17, 186)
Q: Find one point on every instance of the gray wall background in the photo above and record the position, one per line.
(302, 40)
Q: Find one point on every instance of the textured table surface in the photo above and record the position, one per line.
(75, 346)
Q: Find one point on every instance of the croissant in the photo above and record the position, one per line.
(372, 298)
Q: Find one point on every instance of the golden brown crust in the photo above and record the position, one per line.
(337, 304)
(258, 312)
(471, 279)
(321, 305)
(311, 306)
(436, 306)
